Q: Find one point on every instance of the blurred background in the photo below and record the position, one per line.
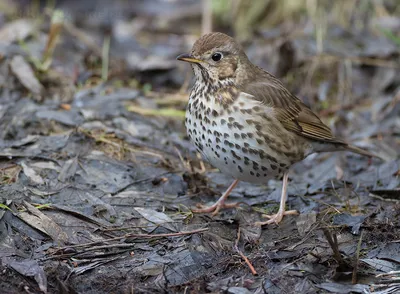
(335, 55)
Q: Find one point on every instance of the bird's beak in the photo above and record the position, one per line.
(188, 58)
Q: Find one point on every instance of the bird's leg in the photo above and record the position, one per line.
(221, 202)
(276, 218)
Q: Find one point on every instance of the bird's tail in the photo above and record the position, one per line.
(360, 151)
(340, 146)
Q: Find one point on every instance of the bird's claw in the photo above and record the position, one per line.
(215, 208)
(276, 218)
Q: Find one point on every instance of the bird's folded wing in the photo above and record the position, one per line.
(294, 115)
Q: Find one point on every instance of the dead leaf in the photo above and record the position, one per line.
(38, 220)
(23, 71)
(156, 217)
(31, 268)
(380, 265)
(304, 222)
(31, 174)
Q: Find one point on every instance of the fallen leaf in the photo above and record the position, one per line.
(23, 71)
(38, 220)
(31, 174)
(156, 217)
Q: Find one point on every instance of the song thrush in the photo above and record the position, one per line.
(246, 123)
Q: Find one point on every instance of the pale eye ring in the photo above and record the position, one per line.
(217, 56)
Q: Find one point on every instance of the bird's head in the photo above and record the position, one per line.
(215, 57)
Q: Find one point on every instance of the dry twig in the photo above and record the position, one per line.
(246, 260)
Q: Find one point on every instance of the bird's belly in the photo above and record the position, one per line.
(232, 146)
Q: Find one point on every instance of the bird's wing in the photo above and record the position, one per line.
(294, 115)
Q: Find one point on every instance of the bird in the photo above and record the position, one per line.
(246, 123)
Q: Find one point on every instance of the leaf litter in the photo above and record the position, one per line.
(98, 176)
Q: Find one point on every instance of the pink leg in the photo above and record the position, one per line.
(276, 218)
(221, 202)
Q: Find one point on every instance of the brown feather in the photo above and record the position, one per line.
(294, 115)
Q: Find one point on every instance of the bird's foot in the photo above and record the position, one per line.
(215, 208)
(276, 218)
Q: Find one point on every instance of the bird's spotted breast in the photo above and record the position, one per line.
(235, 138)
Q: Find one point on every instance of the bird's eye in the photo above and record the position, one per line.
(217, 56)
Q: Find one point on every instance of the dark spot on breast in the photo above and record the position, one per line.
(255, 165)
(223, 121)
(251, 173)
(250, 135)
(217, 140)
(235, 155)
(246, 144)
(256, 108)
(259, 141)
(231, 119)
(273, 166)
(217, 134)
(237, 146)
(243, 135)
(258, 175)
(238, 125)
(214, 124)
(240, 169)
(215, 113)
(270, 158)
(253, 151)
(237, 136)
(264, 168)
(223, 149)
(226, 135)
